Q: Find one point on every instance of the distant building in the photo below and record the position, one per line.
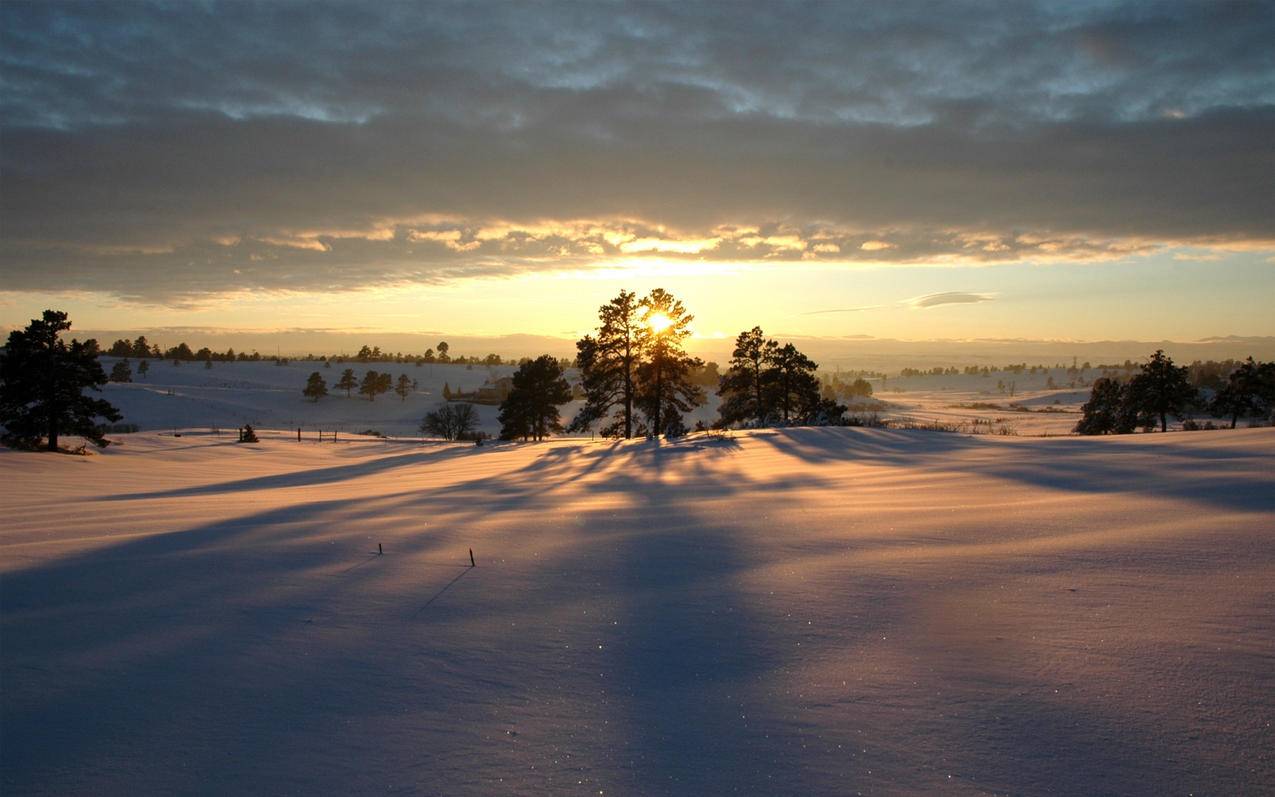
(492, 392)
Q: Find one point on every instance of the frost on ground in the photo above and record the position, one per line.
(813, 611)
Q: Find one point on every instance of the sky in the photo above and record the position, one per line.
(1074, 171)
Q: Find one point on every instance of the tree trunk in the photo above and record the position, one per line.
(1164, 422)
(1235, 416)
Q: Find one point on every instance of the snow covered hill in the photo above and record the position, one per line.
(228, 395)
(808, 611)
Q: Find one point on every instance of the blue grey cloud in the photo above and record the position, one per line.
(155, 149)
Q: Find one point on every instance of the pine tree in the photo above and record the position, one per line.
(792, 384)
(1107, 411)
(743, 388)
(143, 367)
(404, 387)
(315, 387)
(1249, 390)
(1160, 390)
(41, 384)
(665, 389)
(347, 382)
(608, 368)
(121, 372)
(374, 384)
(531, 409)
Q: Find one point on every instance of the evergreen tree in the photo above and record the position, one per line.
(121, 372)
(121, 348)
(664, 385)
(41, 384)
(608, 368)
(375, 384)
(143, 367)
(1249, 390)
(315, 387)
(792, 383)
(404, 387)
(142, 347)
(1161, 389)
(347, 382)
(531, 409)
(743, 388)
(1107, 411)
(442, 352)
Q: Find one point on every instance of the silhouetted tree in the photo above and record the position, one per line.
(450, 421)
(1107, 411)
(315, 387)
(664, 386)
(374, 384)
(41, 386)
(404, 387)
(347, 382)
(442, 352)
(531, 409)
(142, 347)
(121, 372)
(121, 348)
(1160, 390)
(743, 387)
(608, 368)
(1249, 390)
(792, 383)
(143, 367)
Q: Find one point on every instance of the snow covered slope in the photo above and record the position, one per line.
(810, 611)
(228, 395)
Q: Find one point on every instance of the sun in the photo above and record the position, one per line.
(658, 322)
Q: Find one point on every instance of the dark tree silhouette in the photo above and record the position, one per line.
(442, 352)
(608, 368)
(743, 388)
(1107, 411)
(404, 387)
(121, 372)
(665, 388)
(1249, 390)
(41, 386)
(1161, 389)
(315, 387)
(374, 384)
(347, 382)
(531, 409)
(143, 367)
(450, 421)
(793, 384)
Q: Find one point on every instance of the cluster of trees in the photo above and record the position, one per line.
(635, 372)
(373, 384)
(42, 383)
(530, 412)
(769, 383)
(1161, 390)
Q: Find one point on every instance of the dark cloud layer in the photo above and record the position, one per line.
(161, 151)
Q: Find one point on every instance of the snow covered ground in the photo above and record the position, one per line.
(808, 611)
(228, 395)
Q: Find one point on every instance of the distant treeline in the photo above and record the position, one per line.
(141, 348)
(1211, 374)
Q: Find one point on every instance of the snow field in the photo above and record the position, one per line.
(806, 611)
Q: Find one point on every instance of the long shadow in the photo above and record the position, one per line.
(1075, 465)
(308, 477)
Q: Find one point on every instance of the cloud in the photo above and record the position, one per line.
(948, 297)
(253, 147)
